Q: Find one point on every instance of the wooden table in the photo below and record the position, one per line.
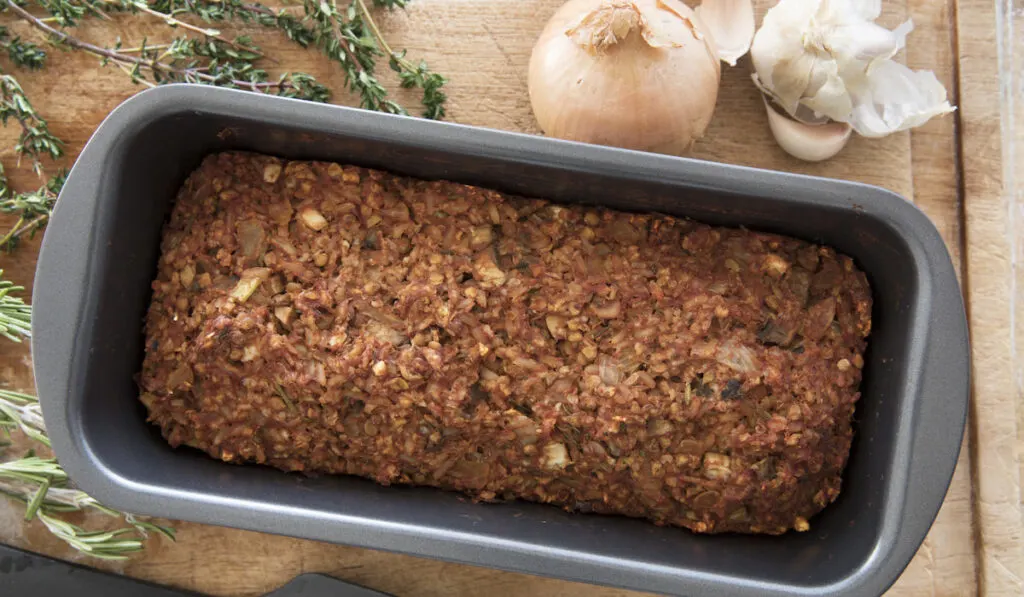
(960, 169)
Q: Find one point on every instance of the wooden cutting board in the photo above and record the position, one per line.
(958, 169)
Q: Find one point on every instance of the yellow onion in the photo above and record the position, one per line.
(638, 74)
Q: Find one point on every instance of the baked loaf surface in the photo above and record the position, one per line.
(332, 319)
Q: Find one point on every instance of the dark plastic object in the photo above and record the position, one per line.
(23, 573)
(26, 573)
(100, 253)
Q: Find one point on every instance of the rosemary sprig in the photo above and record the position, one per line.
(40, 483)
(22, 411)
(105, 545)
(43, 486)
(15, 315)
(45, 498)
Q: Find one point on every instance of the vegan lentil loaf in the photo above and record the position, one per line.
(327, 318)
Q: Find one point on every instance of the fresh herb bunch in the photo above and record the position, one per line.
(345, 32)
(210, 60)
(342, 30)
(40, 483)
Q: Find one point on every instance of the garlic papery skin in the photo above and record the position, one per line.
(828, 59)
(731, 25)
(808, 142)
(637, 74)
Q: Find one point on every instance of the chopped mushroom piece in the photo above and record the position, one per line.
(313, 219)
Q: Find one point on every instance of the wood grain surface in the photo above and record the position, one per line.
(991, 41)
(484, 46)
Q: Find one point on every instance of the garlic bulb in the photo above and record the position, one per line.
(828, 59)
(639, 74)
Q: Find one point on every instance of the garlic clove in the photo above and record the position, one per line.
(808, 142)
(808, 116)
(800, 112)
(731, 24)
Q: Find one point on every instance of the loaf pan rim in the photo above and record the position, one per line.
(905, 218)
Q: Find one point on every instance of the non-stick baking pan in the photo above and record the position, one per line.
(100, 253)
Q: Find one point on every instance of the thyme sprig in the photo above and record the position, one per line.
(35, 140)
(345, 31)
(212, 61)
(22, 53)
(32, 208)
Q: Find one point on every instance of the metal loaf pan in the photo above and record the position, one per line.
(100, 253)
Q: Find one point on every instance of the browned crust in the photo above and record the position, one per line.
(334, 319)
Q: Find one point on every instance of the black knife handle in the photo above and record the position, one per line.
(23, 573)
(30, 574)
